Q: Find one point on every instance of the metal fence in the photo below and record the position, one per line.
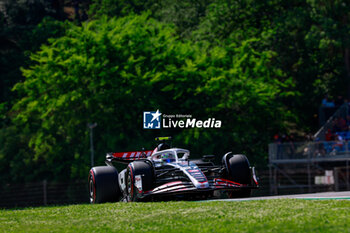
(324, 150)
(53, 193)
(43, 193)
(309, 166)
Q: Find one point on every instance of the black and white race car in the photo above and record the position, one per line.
(168, 174)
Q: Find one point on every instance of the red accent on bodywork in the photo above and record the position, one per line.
(221, 181)
(93, 180)
(184, 189)
(132, 182)
(132, 155)
(193, 170)
(230, 181)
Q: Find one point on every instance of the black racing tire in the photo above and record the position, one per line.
(238, 170)
(104, 185)
(143, 168)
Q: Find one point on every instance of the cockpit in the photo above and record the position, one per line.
(170, 155)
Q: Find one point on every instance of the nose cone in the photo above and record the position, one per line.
(197, 177)
(199, 180)
(202, 185)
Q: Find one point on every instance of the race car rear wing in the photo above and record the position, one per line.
(127, 157)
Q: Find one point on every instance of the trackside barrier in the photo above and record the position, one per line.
(309, 166)
(53, 193)
(43, 193)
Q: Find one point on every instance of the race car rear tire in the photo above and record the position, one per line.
(143, 168)
(238, 170)
(103, 184)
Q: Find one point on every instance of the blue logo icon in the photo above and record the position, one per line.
(151, 120)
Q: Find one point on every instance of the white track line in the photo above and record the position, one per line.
(309, 196)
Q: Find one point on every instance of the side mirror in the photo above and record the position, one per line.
(208, 157)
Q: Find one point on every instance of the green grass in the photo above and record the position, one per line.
(284, 215)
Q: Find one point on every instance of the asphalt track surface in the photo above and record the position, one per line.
(309, 196)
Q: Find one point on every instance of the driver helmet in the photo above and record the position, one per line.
(168, 157)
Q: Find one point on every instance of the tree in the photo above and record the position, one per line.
(24, 27)
(111, 70)
(329, 37)
(121, 8)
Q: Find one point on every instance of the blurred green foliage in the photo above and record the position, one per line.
(111, 70)
(259, 66)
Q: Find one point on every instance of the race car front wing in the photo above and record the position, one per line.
(181, 187)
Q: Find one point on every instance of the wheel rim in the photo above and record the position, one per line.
(91, 190)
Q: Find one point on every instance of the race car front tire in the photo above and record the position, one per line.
(238, 170)
(103, 184)
(143, 168)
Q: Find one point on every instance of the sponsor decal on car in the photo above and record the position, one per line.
(138, 182)
(193, 171)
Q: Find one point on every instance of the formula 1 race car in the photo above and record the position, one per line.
(168, 174)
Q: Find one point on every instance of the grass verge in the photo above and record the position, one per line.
(283, 215)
